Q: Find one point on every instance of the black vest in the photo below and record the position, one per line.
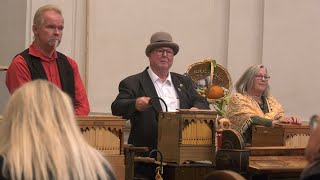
(65, 71)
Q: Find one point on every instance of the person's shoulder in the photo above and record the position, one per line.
(134, 77)
(71, 61)
(61, 54)
(238, 95)
(18, 61)
(271, 98)
(180, 76)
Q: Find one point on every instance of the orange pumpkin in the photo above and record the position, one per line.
(215, 92)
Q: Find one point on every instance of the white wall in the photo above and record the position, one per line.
(12, 35)
(120, 31)
(291, 50)
(245, 35)
(10, 21)
(284, 35)
(236, 33)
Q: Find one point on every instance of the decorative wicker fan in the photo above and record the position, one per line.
(208, 72)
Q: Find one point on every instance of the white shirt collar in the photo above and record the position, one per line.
(156, 78)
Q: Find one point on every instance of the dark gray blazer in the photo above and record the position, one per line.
(144, 124)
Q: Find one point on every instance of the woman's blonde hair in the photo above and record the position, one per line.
(245, 82)
(40, 139)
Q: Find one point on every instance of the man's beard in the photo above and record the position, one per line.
(54, 43)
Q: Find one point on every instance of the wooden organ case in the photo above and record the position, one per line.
(106, 134)
(275, 152)
(281, 135)
(187, 135)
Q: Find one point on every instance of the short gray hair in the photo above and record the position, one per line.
(37, 20)
(245, 83)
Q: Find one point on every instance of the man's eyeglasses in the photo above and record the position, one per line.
(169, 52)
(260, 76)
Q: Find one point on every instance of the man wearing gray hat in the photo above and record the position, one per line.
(141, 96)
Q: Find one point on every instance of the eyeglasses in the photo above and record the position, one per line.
(161, 52)
(260, 76)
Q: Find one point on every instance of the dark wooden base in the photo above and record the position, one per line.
(278, 176)
(275, 167)
(187, 171)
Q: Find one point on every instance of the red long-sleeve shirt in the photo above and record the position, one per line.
(18, 73)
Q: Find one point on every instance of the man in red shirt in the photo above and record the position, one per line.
(42, 61)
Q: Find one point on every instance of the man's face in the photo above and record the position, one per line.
(49, 32)
(161, 58)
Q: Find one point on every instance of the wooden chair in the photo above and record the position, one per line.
(131, 158)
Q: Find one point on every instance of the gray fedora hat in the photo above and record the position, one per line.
(162, 39)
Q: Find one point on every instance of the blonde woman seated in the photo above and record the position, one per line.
(40, 139)
(253, 103)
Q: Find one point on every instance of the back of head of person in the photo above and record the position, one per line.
(40, 139)
(314, 120)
